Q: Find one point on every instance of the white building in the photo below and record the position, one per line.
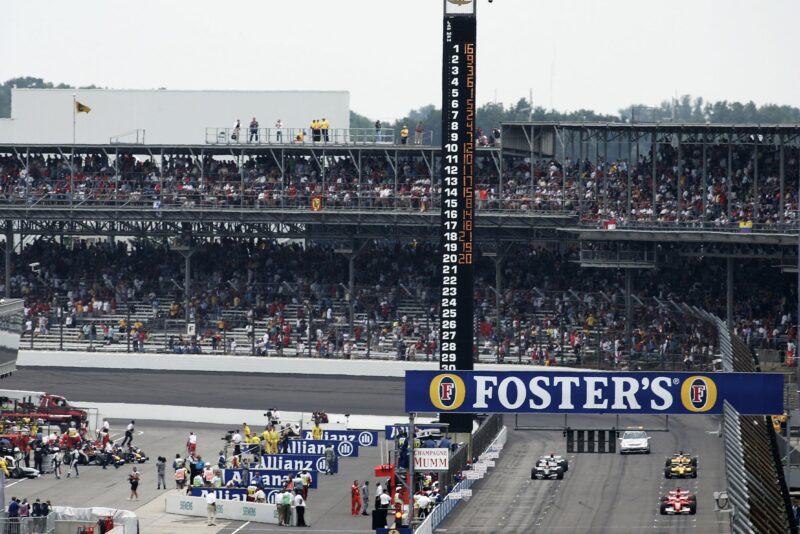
(45, 116)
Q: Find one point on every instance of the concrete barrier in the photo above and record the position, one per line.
(235, 510)
(236, 364)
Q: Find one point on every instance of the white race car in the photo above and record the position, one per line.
(545, 468)
(634, 441)
(560, 461)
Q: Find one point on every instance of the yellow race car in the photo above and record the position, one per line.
(680, 470)
(681, 459)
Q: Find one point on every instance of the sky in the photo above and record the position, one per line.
(571, 54)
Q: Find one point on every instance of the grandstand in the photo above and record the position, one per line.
(579, 226)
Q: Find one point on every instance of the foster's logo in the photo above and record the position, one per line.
(698, 393)
(447, 392)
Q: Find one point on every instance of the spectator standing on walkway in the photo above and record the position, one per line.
(253, 130)
(325, 125)
(128, 435)
(237, 126)
(279, 131)
(378, 131)
(418, 133)
(134, 478)
(404, 135)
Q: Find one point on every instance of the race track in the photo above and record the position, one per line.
(334, 394)
(600, 492)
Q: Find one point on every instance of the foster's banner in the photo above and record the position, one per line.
(592, 392)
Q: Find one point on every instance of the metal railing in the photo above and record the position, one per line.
(246, 136)
(443, 509)
(28, 525)
(131, 137)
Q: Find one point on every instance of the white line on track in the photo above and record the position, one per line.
(240, 528)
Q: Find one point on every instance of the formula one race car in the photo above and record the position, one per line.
(680, 470)
(135, 455)
(678, 501)
(681, 459)
(545, 468)
(562, 462)
(17, 469)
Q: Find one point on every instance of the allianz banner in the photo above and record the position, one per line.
(592, 392)
(235, 494)
(268, 479)
(364, 438)
(343, 448)
(296, 462)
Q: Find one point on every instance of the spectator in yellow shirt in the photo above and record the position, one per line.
(404, 135)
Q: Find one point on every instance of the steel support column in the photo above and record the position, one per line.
(782, 179)
(756, 200)
(654, 157)
(704, 177)
(730, 179)
(8, 250)
(628, 310)
(729, 297)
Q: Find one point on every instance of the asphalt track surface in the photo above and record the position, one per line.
(602, 493)
(301, 393)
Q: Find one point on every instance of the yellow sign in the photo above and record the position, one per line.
(447, 392)
(698, 393)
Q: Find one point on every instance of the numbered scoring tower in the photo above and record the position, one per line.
(458, 113)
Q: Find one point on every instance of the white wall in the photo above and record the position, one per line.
(169, 117)
(6, 131)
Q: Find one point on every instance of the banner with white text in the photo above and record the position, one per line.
(592, 392)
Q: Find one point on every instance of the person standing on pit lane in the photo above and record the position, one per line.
(191, 444)
(161, 466)
(300, 510)
(128, 434)
(365, 497)
(355, 498)
(134, 478)
(58, 459)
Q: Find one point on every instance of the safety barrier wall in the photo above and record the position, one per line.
(232, 364)
(447, 505)
(226, 509)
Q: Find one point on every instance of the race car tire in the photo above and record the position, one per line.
(663, 509)
(565, 465)
(667, 472)
(692, 499)
(16, 473)
(559, 473)
(692, 507)
(667, 462)
(694, 461)
(694, 474)
(533, 474)
(664, 498)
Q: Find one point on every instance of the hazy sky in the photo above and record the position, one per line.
(597, 54)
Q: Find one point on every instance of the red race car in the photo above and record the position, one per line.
(678, 501)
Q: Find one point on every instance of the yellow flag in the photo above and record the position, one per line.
(81, 108)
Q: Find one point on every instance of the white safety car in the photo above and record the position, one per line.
(633, 441)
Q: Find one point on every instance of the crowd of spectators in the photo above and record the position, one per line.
(594, 190)
(549, 306)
